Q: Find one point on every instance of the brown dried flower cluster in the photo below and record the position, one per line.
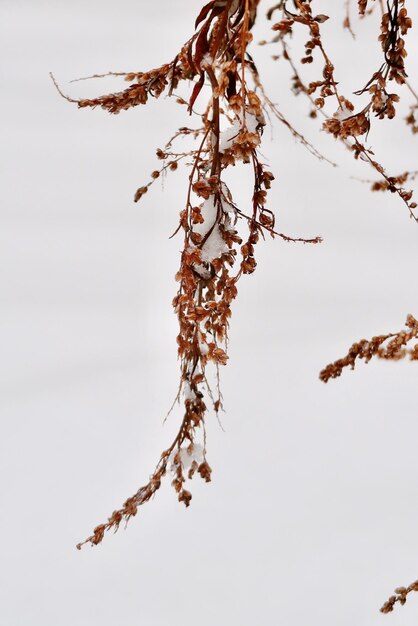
(215, 254)
(351, 126)
(219, 238)
(392, 182)
(391, 347)
(401, 596)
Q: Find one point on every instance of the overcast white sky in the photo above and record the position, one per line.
(312, 513)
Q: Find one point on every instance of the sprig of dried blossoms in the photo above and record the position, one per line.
(400, 596)
(215, 254)
(391, 347)
(350, 126)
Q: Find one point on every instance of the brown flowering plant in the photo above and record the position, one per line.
(227, 110)
(400, 596)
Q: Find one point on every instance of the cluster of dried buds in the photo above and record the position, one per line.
(400, 596)
(345, 123)
(392, 182)
(391, 347)
(215, 254)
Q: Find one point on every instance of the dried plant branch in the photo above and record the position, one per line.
(230, 130)
(401, 596)
(391, 182)
(219, 237)
(391, 347)
(345, 124)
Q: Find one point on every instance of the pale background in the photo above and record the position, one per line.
(312, 513)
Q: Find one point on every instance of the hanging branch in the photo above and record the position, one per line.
(215, 254)
(345, 124)
(401, 597)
